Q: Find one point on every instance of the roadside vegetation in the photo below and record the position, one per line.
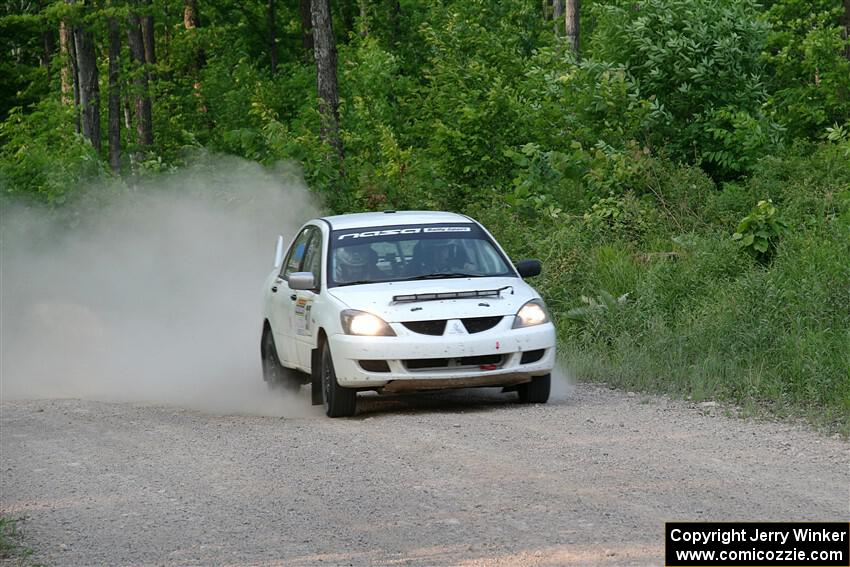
(682, 167)
(11, 551)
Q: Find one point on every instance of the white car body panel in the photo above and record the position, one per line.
(297, 323)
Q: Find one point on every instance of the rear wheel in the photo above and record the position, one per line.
(276, 375)
(339, 401)
(536, 391)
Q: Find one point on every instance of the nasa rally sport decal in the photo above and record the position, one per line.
(408, 230)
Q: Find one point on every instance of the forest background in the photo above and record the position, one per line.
(682, 167)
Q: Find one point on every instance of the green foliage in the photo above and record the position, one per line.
(31, 167)
(808, 77)
(541, 176)
(8, 530)
(697, 62)
(624, 216)
(738, 140)
(604, 302)
(22, 80)
(590, 101)
(807, 182)
(701, 318)
(759, 231)
(11, 550)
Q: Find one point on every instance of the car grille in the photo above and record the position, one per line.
(479, 324)
(494, 360)
(437, 327)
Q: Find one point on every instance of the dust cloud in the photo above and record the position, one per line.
(562, 384)
(149, 294)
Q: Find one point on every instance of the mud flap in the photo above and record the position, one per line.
(316, 377)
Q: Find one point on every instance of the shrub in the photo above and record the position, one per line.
(808, 77)
(698, 62)
(625, 216)
(759, 231)
(42, 158)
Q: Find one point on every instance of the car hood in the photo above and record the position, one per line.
(378, 298)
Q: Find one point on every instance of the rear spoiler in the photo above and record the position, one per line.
(473, 294)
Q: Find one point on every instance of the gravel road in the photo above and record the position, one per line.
(463, 478)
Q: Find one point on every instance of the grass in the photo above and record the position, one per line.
(704, 319)
(11, 550)
(774, 337)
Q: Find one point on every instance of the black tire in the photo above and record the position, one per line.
(536, 391)
(276, 375)
(339, 401)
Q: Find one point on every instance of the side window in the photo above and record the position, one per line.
(313, 258)
(296, 252)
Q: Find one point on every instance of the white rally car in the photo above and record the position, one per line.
(401, 302)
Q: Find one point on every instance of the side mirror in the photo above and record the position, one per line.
(301, 280)
(278, 252)
(528, 268)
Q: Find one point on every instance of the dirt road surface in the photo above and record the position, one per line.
(464, 478)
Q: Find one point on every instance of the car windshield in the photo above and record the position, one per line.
(411, 252)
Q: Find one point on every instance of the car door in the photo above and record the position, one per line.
(283, 299)
(303, 317)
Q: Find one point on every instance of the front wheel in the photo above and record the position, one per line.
(276, 375)
(536, 391)
(339, 401)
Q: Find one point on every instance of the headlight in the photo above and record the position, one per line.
(530, 314)
(361, 323)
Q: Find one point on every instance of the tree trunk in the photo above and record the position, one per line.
(306, 24)
(846, 32)
(66, 42)
(144, 127)
(556, 18)
(272, 21)
(128, 112)
(364, 18)
(75, 78)
(48, 44)
(65, 73)
(71, 76)
(326, 80)
(114, 113)
(166, 30)
(572, 22)
(191, 20)
(148, 38)
(89, 86)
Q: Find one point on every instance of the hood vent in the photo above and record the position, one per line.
(452, 295)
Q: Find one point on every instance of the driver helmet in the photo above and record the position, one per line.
(352, 262)
(439, 254)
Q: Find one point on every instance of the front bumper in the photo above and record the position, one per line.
(414, 361)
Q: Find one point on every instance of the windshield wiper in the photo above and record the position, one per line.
(441, 275)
